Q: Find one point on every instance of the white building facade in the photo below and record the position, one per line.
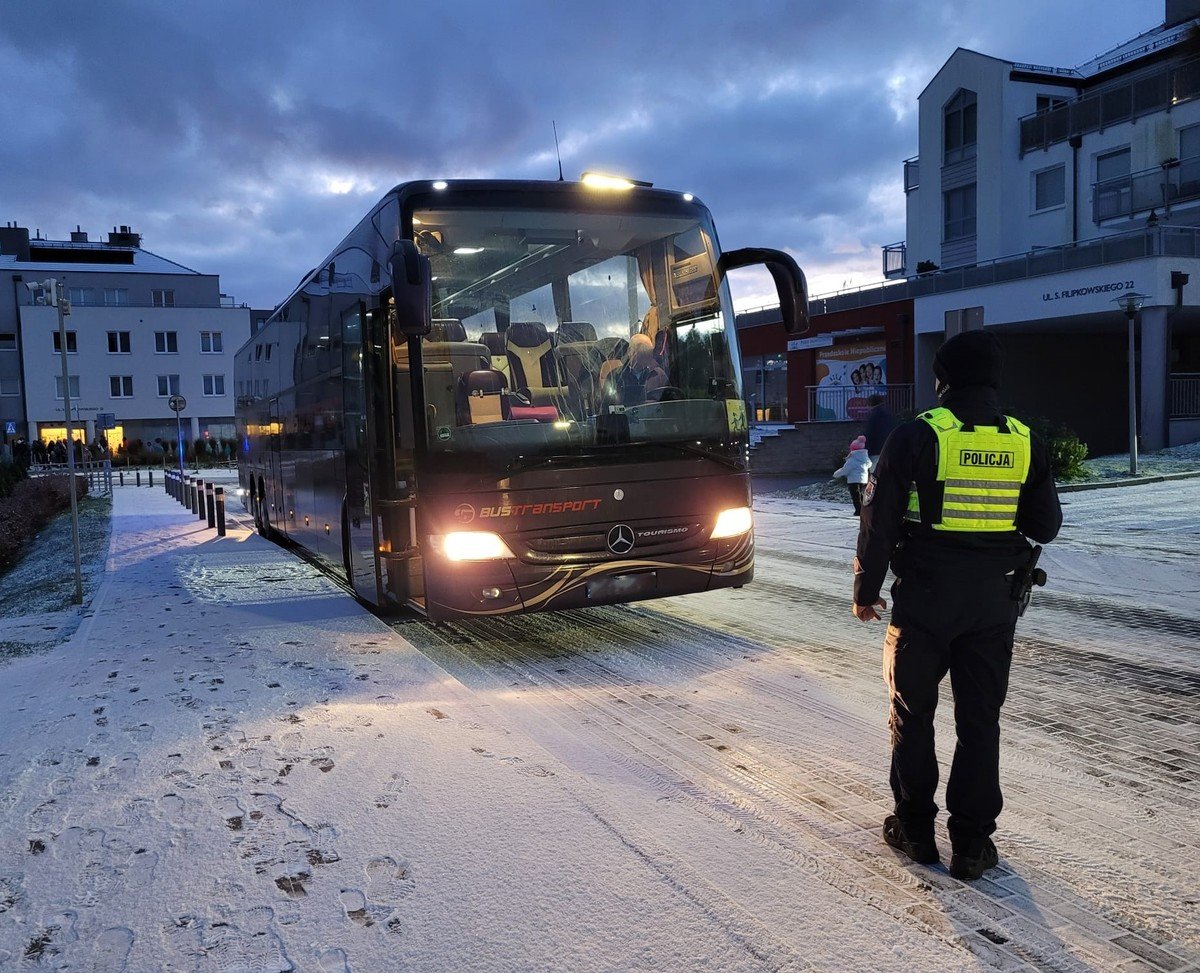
(1039, 197)
(141, 329)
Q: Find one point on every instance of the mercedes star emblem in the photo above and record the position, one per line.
(620, 539)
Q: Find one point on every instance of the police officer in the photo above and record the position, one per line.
(956, 494)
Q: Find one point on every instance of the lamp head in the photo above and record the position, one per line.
(1130, 303)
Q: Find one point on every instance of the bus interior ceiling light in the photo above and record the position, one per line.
(468, 250)
(440, 185)
(600, 180)
(733, 522)
(473, 545)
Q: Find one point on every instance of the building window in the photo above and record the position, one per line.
(1114, 188)
(116, 296)
(1050, 188)
(118, 343)
(214, 384)
(71, 347)
(959, 218)
(1050, 102)
(58, 386)
(210, 342)
(959, 127)
(120, 386)
(267, 352)
(162, 298)
(80, 295)
(168, 385)
(258, 352)
(8, 341)
(166, 342)
(10, 386)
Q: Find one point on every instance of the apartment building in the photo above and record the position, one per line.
(141, 329)
(1039, 199)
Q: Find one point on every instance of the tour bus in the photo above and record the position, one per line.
(496, 397)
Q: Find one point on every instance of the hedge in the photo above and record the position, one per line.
(32, 503)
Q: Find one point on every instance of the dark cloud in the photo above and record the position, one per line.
(245, 139)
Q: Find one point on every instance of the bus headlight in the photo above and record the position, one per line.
(471, 545)
(733, 522)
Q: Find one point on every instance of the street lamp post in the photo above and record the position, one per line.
(53, 294)
(1131, 303)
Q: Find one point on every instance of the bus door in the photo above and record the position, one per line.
(390, 411)
(359, 540)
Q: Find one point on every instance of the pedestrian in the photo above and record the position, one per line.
(958, 494)
(880, 423)
(856, 469)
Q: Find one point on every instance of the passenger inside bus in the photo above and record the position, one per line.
(640, 378)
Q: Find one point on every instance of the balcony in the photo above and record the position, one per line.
(1152, 189)
(894, 256)
(1122, 101)
(1155, 241)
(912, 173)
(837, 403)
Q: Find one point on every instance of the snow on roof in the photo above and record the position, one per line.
(144, 262)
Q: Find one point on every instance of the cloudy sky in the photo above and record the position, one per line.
(245, 139)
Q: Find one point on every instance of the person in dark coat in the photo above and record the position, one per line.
(958, 494)
(880, 423)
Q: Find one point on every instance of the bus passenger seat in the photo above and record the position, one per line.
(483, 390)
(579, 362)
(447, 329)
(531, 364)
(495, 345)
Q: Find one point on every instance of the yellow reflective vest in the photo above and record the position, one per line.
(981, 471)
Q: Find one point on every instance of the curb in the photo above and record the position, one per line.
(1127, 482)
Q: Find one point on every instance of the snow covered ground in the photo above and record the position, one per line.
(232, 766)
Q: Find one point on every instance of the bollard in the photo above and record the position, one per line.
(137, 475)
(186, 499)
(219, 498)
(208, 504)
(200, 514)
(193, 499)
(151, 475)
(120, 477)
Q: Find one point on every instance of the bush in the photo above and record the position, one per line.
(33, 502)
(1067, 453)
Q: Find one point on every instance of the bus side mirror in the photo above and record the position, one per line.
(412, 288)
(789, 282)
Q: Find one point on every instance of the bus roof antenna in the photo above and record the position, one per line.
(556, 149)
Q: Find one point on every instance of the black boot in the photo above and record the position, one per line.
(971, 862)
(922, 850)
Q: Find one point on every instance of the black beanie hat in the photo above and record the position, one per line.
(970, 358)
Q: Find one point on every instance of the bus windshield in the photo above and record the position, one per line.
(567, 333)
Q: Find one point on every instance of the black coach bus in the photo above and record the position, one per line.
(499, 396)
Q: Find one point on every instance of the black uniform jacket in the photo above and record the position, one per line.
(910, 456)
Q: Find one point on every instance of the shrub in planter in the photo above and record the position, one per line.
(33, 502)
(1067, 453)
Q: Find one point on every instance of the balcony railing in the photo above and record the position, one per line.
(1121, 101)
(838, 403)
(1158, 241)
(912, 173)
(1150, 189)
(894, 255)
(1184, 395)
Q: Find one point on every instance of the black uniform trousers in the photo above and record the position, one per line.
(963, 623)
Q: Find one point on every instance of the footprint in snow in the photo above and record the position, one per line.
(112, 950)
(389, 881)
(232, 812)
(333, 961)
